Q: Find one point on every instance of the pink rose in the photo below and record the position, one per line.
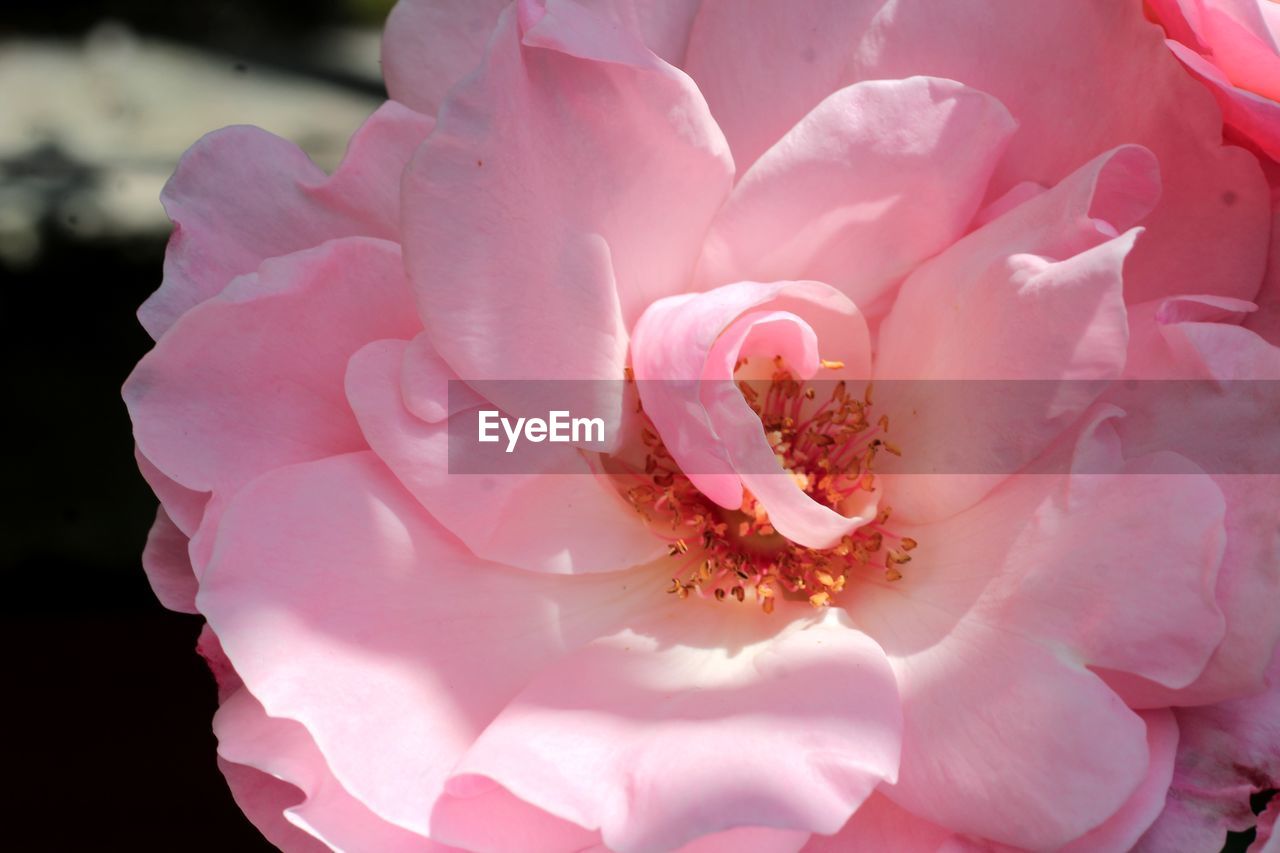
(734, 627)
(1233, 46)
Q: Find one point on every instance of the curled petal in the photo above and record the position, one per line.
(684, 353)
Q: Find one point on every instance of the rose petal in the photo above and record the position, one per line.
(1180, 19)
(1122, 830)
(253, 378)
(1017, 195)
(264, 800)
(1207, 235)
(995, 618)
(1228, 752)
(744, 839)
(1076, 596)
(1194, 339)
(591, 235)
(565, 520)
(748, 839)
(184, 507)
(876, 178)
(1266, 320)
(1256, 117)
(1249, 21)
(270, 756)
(494, 820)
(1041, 752)
(1266, 829)
(240, 196)
(879, 824)
(425, 384)
(1241, 46)
(696, 723)
(168, 567)
(429, 45)
(665, 26)
(344, 607)
(762, 65)
(1035, 294)
(247, 737)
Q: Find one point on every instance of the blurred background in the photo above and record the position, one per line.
(109, 743)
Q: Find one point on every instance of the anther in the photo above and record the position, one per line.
(828, 449)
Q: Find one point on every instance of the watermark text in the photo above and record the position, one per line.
(558, 427)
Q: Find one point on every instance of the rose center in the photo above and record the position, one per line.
(828, 443)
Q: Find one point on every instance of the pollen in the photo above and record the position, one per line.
(829, 447)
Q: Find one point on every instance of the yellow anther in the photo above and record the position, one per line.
(828, 449)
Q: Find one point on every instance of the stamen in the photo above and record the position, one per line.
(829, 447)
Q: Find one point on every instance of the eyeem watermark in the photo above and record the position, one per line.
(1219, 427)
(558, 428)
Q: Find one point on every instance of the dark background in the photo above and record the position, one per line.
(109, 743)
